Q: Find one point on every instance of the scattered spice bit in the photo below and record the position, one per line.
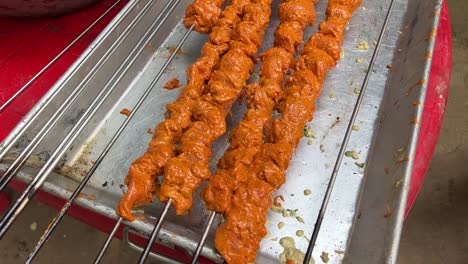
(274, 239)
(150, 131)
(432, 34)
(332, 96)
(342, 55)
(280, 225)
(277, 209)
(414, 122)
(420, 82)
(275, 200)
(300, 233)
(80, 195)
(285, 213)
(364, 8)
(398, 183)
(374, 43)
(360, 60)
(388, 213)
(357, 91)
(172, 49)
(405, 159)
(363, 46)
(389, 66)
(33, 226)
(360, 165)
(416, 103)
(308, 132)
(126, 112)
(341, 252)
(324, 257)
(428, 55)
(299, 219)
(91, 197)
(290, 261)
(172, 84)
(104, 184)
(356, 128)
(307, 192)
(352, 154)
(386, 170)
(309, 142)
(150, 47)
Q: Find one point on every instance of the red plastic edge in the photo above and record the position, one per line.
(434, 105)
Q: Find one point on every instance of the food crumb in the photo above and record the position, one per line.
(172, 49)
(280, 225)
(416, 103)
(308, 132)
(360, 60)
(299, 219)
(352, 154)
(363, 46)
(274, 239)
(341, 252)
(342, 55)
(172, 84)
(150, 131)
(332, 96)
(309, 142)
(300, 233)
(356, 128)
(324, 257)
(386, 170)
(33, 226)
(374, 43)
(364, 8)
(360, 165)
(357, 91)
(307, 192)
(126, 112)
(388, 213)
(389, 66)
(275, 200)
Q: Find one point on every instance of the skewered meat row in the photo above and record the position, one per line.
(203, 14)
(246, 138)
(142, 175)
(245, 221)
(184, 173)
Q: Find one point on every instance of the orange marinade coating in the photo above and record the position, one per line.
(262, 97)
(203, 14)
(184, 173)
(142, 175)
(239, 237)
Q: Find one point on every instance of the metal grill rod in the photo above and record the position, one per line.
(9, 142)
(155, 232)
(203, 238)
(8, 175)
(108, 241)
(346, 138)
(47, 66)
(106, 150)
(37, 182)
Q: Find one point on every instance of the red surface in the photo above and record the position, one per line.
(28, 44)
(434, 105)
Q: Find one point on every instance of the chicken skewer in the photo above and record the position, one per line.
(244, 225)
(184, 173)
(262, 97)
(203, 14)
(142, 175)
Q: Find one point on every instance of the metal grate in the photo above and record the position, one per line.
(10, 216)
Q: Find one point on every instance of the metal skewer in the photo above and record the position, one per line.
(346, 138)
(203, 238)
(106, 150)
(106, 245)
(8, 175)
(26, 85)
(37, 181)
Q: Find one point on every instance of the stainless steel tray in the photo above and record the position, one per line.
(365, 214)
